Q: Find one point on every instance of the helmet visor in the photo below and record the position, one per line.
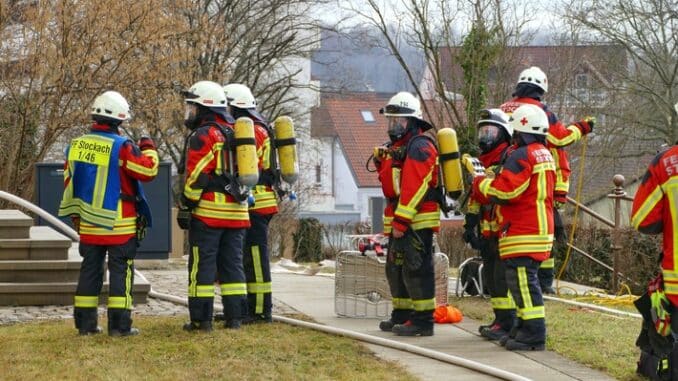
(190, 111)
(488, 133)
(395, 109)
(397, 126)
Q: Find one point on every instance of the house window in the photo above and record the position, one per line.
(318, 174)
(367, 116)
(581, 81)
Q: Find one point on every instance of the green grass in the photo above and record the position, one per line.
(53, 350)
(599, 341)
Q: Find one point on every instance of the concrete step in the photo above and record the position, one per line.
(14, 224)
(61, 293)
(44, 244)
(41, 271)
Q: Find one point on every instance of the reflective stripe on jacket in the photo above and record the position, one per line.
(523, 192)
(205, 159)
(90, 182)
(655, 210)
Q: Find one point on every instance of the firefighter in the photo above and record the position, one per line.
(105, 200)
(530, 89)
(408, 172)
(255, 256)
(494, 139)
(655, 211)
(218, 212)
(523, 191)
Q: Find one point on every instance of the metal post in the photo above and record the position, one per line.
(618, 194)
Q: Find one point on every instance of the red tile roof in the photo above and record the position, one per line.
(340, 115)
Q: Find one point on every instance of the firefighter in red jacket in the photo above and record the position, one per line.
(218, 209)
(105, 200)
(262, 208)
(523, 191)
(408, 172)
(655, 211)
(530, 89)
(481, 229)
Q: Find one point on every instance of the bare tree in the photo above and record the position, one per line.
(440, 29)
(56, 56)
(648, 32)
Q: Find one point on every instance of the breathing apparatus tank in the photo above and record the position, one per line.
(285, 143)
(246, 152)
(449, 162)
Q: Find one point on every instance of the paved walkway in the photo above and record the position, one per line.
(314, 296)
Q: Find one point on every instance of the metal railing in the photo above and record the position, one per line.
(618, 195)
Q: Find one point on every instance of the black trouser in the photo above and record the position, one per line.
(121, 281)
(412, 287)
(215, 253)
(547, 268)
(521, 278)
(494, 276)
(257, 266)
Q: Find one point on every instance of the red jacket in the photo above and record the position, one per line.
(406, 182)
(523, 192)
(655, 210)
(265, 202)
(134, 165)
(485, 209)
(558, 137)
(206, 159)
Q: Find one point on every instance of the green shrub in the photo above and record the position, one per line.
(308, 241)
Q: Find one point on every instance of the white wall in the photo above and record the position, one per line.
(605, 207)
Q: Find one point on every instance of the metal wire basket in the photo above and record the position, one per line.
(361, 289)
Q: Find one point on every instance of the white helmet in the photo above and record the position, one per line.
(676, 107)
(405, 104)
(206, 93)
(496, 117)
(402, 104)
(239, 96)
(530, 119)
(535, 76)
(111, 105)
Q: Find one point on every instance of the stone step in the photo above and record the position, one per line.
(41, 271)
(61, 293)
(44, 243)
(14, 224)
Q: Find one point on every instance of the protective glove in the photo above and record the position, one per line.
(142, 225)
(184, 219)
(586, 125)
(471, 238)
(660, 306)
(145, 143)
(188, 203)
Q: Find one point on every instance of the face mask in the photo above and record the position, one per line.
(488, 137)
(190, 115)
(397, 128)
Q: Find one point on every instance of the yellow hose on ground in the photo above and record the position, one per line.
(623, 297)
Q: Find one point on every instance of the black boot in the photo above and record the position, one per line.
(531, 336)
(387, 325)
(409, 329)
(86, 321)
(495, 332)
(120, 323)
(257, 319)
(232, 323)
(202, 326)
